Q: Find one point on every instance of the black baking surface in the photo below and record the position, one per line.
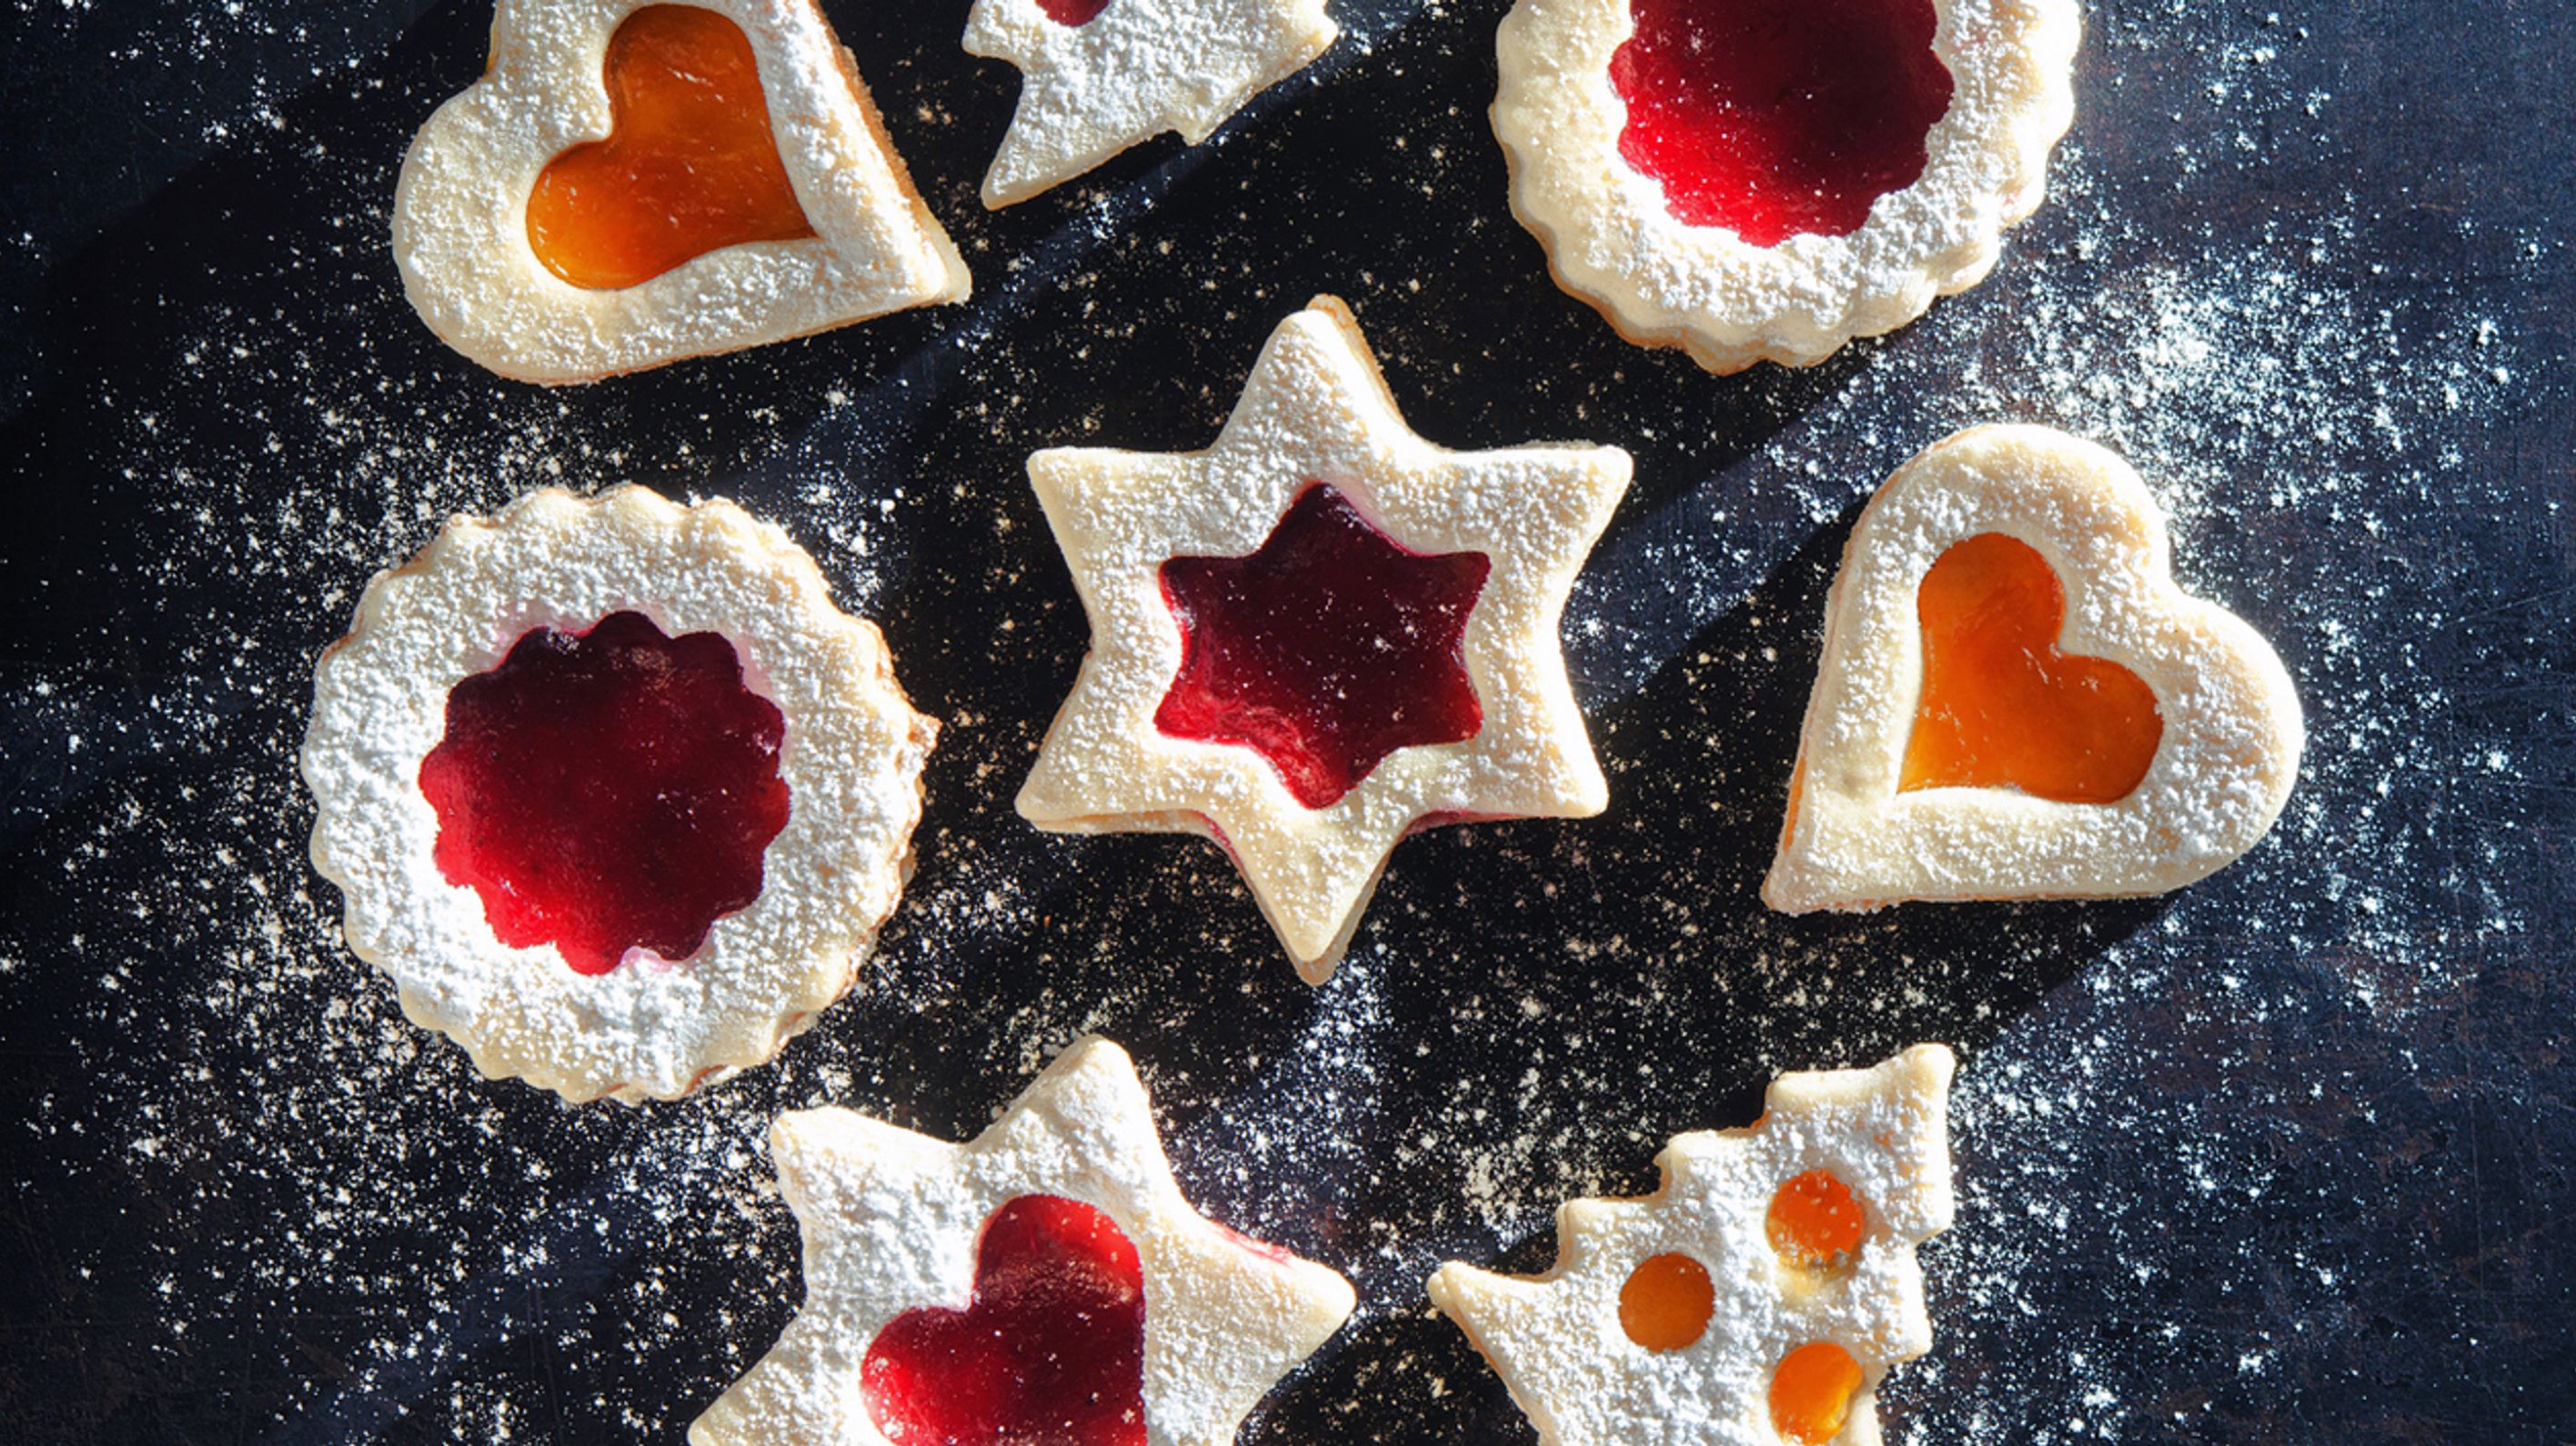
(2281, 1157)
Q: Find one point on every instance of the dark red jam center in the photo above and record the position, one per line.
(1779, 118)
(1325, 651)
(1073, 12)
(608, 790)
(1051, 1351)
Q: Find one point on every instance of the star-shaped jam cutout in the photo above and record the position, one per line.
(1044, 1281)
(1759, 1296)
(1098, 76)
(1320, 634)
(1325, 651)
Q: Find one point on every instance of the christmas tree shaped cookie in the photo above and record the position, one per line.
(1758, 1297)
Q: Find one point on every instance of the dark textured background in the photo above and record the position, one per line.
(2283, 1157)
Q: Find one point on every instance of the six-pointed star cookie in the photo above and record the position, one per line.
(1098, 76)
(893, 1224)
(1317, 484)
(1757, 1297)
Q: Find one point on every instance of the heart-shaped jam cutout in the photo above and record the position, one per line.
(1326, 650)
(2002, 707)
(1051, 1351)
(608, 790)
(1779, 118)
(689, 165)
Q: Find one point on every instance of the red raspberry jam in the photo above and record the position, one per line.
(689, 166)
(1073, 12)
(1051, 1351)
(1325, 651)
(608, 790)
(1779, 118)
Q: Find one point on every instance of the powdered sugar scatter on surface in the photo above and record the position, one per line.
(2282, 1156)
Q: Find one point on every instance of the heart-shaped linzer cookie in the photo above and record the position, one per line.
(626, 185)
(2015, 701)
(1051, 1349)
(689, 165)
(2002, 707)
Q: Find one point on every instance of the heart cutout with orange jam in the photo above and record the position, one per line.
(689, 166)
(2015, 701)
(629, 185)
(2002, 707)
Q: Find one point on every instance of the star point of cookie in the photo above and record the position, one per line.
(1319, 544)
(1758, 1297)
(1097, 78)
(901, 1232)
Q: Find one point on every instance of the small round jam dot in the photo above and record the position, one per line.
(1666, 1302)
(1073, 12)
(1050, 1352)
(608, 790)
(1814, 1220)
(1811, 1392)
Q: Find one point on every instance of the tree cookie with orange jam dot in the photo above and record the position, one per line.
(2015, 701)
(615, 794)
(1764, 180)
(1319, 635)
(1045, 1282)
(629, 184)
(1098, 76)
(1757, 1297)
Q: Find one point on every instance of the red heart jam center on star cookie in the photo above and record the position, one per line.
(607, 790)
(1324, 651)
(2002, 707)
(1779, 118)
(1051, 1351)
(690, 164)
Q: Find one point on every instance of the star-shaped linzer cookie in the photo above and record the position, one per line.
(1098, 76)
(1320, 634)
(1044, 1281)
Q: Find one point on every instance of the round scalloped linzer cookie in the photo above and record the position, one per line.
(739, 127)
(1098, 76)
(1816, 217)
(1758, 1297)
(2015, 701)
(1043, 1282)
(615, 794)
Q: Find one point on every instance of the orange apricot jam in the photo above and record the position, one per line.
(1811, 1392)
(1814, 1220)
(689, 166)
(2002, 707)
(1666, 1302)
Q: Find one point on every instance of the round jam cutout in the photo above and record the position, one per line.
(608, 790)
(1779, 118)
(1811, 1392)
(689, 166)
(1666, 1302)
(1073, 12)
(1050, 1352)
(1326, 650)
(2002, 707)
(1815, 1220)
